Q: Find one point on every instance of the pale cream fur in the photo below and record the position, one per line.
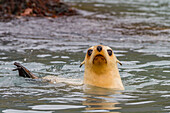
(54, 79)
(102, 71)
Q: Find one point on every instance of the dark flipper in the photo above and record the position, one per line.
(24, 72)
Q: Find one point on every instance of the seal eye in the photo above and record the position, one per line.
(89, 52)
(109, 52)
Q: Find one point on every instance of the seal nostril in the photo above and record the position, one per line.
(99, 48)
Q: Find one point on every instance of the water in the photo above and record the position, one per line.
(137, 31)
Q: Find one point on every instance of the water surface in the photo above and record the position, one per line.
(136, 30)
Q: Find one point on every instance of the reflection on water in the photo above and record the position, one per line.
(137, 31)
(100, 100)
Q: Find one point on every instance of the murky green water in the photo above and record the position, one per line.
(137, 31)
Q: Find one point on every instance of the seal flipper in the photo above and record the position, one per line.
(24, 72)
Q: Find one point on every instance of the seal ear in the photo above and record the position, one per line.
(82, 63)
(117, 61)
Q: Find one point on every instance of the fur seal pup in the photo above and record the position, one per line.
(101, 68)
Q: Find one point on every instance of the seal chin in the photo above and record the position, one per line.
(99, 59)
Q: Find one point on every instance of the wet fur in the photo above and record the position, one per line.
(100, 70)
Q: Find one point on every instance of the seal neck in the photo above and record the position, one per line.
(103, 77)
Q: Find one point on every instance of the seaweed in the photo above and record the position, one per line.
(37, 8)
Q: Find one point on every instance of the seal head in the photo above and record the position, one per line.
(101, 68)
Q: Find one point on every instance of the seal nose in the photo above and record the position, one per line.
(99, 48)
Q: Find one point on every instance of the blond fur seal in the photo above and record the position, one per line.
(101, 68)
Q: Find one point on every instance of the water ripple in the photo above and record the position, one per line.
(55, 107)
